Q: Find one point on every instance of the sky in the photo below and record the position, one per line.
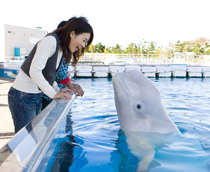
(117, 21)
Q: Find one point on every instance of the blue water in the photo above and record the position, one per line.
(90, 139)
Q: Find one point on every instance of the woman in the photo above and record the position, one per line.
(39, 70)
(63, 79)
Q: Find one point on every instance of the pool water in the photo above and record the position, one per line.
(90, 138)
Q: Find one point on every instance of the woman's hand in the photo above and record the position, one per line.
(63, 93)
(65, 90)
(73, 80)
(78, 89)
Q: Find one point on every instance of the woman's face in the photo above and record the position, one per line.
(78, 41)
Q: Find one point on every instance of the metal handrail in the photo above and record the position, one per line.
(26, 149)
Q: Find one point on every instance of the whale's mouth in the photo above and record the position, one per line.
(117, 80)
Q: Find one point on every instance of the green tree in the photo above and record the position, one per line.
(131, 49)
(108, 49)
(207, 49)
(117, 49)
(99, 48)
(179, 46)
(145, 47)
(158, 50)
(151, 48)
(90, 48)
(198, 49)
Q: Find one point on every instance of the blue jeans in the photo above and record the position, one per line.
(23, 107)
(45, 102)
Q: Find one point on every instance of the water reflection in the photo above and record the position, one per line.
(103, 146)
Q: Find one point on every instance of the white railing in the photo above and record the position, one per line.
(142, 58)
(103, 58)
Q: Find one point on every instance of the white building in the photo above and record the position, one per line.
(15, 38)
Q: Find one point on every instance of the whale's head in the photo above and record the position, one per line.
(139, 104)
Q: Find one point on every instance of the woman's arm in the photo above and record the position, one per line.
(45, 49)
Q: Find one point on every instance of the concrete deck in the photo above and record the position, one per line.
(6, 123)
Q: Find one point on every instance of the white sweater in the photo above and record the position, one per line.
(45, 49)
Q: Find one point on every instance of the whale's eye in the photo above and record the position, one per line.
(138, 106)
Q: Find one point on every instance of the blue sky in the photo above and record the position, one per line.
(117, 21)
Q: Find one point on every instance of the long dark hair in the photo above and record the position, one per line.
(79, 25)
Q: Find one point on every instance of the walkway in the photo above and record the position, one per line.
(6, 123)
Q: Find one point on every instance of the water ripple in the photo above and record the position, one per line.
(103, 147)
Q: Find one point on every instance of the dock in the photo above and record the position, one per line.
(156, 70)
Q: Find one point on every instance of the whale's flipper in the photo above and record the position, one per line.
(143, 165)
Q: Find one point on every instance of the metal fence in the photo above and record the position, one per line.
(103, 58)
(144, 58)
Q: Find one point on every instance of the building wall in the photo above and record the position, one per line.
(2, 43)
(20, 37)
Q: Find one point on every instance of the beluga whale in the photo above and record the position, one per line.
(139, 104)
(142, 115)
